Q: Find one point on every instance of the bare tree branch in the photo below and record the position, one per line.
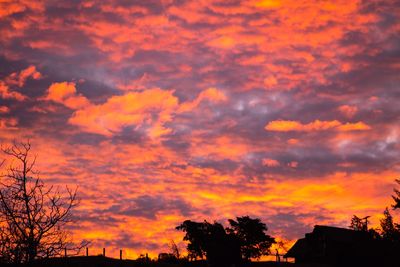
(32, 217)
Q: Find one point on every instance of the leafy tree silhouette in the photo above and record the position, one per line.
(243, 240)
(210, 241)
(254, 242)
(197, 236)
(221, 249)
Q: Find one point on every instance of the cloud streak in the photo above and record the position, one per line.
(317, 125)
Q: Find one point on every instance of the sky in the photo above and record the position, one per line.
(167, 110)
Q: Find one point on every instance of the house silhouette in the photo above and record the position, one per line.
(336, 246)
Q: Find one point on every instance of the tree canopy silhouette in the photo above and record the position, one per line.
(211, 241)
(254, 242)
(388, 230)
(32, 216)
(243, 240)
(359, 224)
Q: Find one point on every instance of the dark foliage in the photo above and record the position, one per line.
(210, 241)
(254, 242)
(390, 231)
(196, 236)
(396, 197)
(245, 239)
(359, 224)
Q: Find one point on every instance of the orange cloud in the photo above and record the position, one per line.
(283, 126)
(270, 81)
(65, 93)
(7, 94)
(223, 42)
(224, 147)
(17, 79)
(317, 125)
(211, 94)
(8, 123)
(152, 107)
(59, 91)
(267, 3)
(358, 126)
(8, 8)
(149, 109)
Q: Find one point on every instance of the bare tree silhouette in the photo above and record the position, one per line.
(174, 249)
(32, 216)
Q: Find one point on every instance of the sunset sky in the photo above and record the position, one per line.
(166, 110)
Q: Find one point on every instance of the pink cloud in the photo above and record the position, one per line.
(270, 162)
(4, 109)
(293, 164)
(348, 111)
